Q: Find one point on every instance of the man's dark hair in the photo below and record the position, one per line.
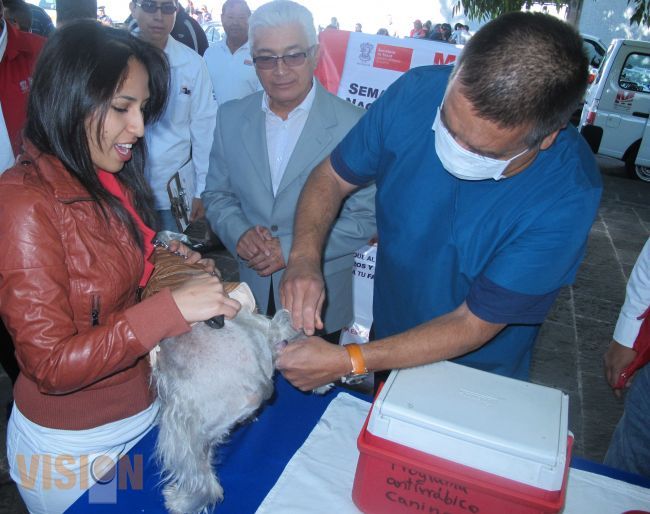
(18, 11)
(524, 69)
(78, 73)
(231, 3)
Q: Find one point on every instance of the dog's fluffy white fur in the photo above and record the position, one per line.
(209, 380)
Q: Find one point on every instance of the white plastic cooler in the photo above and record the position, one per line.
(496, 439)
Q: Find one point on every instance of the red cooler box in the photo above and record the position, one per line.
(448, 439)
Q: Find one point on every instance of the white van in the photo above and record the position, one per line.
(614, 119)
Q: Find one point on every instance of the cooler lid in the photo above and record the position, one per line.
(512, 416)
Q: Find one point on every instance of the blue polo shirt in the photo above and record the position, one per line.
(505, 247)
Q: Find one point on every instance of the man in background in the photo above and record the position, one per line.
(229, 61)
(181, 139)
(18, 14)
(102, 17)
(18, 54)
(265, 146)
(41, 22)
(186, 30)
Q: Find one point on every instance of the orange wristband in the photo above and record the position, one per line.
(356, 357)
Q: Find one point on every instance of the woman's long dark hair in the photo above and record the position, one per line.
(79, 71)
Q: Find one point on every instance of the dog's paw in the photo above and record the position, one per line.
(184, 501)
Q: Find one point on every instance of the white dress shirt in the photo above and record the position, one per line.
(233, 75)
(181, 139)
(3, 39)
(637, 300)
(6, 152)
(282, 135)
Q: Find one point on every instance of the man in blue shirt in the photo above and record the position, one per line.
(485, 198)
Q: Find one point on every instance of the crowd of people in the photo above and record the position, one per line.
(441, 32)
(498, 201)
(200, 14)
(438, 32)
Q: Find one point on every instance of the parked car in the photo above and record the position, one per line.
(214, 31)
(614, 119)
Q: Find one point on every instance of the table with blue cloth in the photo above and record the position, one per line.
(249, 464)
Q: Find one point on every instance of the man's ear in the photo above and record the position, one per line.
(316, 54)
(548, 140)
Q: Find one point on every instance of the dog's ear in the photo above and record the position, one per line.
(281, 328)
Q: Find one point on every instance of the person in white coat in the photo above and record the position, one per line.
(629, 448)
(181, 140)
(229, 61)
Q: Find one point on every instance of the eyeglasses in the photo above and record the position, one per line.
(269, 62)
(151, 7)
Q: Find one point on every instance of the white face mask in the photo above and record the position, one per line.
(462, 163)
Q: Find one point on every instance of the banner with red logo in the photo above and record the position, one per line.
(359, 67)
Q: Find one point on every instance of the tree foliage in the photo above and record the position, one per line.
(640, 12)
(484, 10)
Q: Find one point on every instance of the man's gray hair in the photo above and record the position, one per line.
(280, 13)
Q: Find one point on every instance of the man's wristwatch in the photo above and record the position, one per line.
(359, 370)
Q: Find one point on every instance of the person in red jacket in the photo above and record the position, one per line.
(18, 53)
(77, 210)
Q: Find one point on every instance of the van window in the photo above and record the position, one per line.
(635, 75)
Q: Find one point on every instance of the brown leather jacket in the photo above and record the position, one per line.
(68, 285)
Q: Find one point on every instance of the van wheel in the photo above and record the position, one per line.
(642, 172)
(635, 170)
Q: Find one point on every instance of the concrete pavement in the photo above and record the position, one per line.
(572, 341)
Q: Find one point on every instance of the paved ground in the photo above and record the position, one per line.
(576, 334)
(572, 341)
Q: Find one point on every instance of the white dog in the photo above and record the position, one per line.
(209, 380)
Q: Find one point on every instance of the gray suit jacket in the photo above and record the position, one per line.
(238, 194)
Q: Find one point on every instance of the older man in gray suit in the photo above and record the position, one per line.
(265, 146)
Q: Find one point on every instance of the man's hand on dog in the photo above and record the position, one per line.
(302, 293)
(313, 362)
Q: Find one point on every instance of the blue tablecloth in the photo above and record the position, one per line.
(248, 465)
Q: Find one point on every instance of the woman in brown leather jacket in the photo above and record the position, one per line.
(75, 214)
